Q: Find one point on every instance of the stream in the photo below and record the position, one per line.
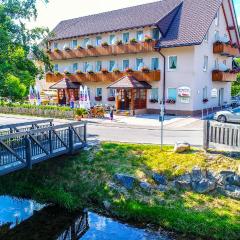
(22, 219)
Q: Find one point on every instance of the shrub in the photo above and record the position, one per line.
(81, 112)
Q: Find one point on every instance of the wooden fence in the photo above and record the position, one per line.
(22, 149)
(222, 136)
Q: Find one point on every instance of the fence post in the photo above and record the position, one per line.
(206, 128)
(71, 141)
(28, 152)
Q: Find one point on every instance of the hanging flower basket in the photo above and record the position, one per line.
(128, 70)
(205, 100)
(171, 101)
(145, 69)
(98, 98)
(111, 99)
(104, 70)
(153, 100)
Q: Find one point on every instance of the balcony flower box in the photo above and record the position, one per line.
(89, 46)
(153, 100)
(171, 101)
(129, 70)
(79, 72)
(98, 98)
(226, 49)
(90, 72)
(111, 99)
(104, 71)
(205, 100)
(227, 76)
(116, 70)
(56, 50)
(133, 41)
(67, 49)
(105, 44)
(145, 70)
(119, 43)
(79, 47)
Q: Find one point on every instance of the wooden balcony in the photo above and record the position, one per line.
(225, 50)
(139, 47)
(223, 76)
(104, 77)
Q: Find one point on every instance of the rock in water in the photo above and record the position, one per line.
(125, 180)
(181, 147)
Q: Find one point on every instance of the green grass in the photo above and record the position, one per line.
(82, 181)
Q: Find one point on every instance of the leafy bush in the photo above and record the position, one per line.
(81, 111)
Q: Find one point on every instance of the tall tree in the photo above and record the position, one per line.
(19, 47)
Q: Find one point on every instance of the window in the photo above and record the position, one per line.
(139, 64)
(55, 45)
(206, 37)
(98, 66)
(216, 65)
(154, 94)
(56, 67)
(139, 36)
(85, 42)
(98, 41)
(155, 34)
(155, 64)
(125, 64)
(74, 43)
(205, 93)
(216, 35)
(172, 93)
(217, 18)
(126, 37)
(75, 67)
(112, 39)
(99, 92)
(172, 63)
(111, 92)
(86, 67)
(111, 65)
(205, 63)
(225, 62)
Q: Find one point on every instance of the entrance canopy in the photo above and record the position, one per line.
(65, 83)
(129, 82)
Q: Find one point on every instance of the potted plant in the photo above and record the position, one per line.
(56, 50)
(90, 72)
(205, 100)
(119, 42)
(79, 72)
(171, 101)
(66, 72)
(79, 47)
(116, 70)
(153, 100)
(89, 46)
(145, 69)
(105, 44)
(67, 48)
(128, 70)
(80, 113)
(98, 98)
(133, 41)
(111, 99)
(148, 39)
(104, 70)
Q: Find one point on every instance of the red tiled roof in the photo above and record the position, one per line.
(65, 83)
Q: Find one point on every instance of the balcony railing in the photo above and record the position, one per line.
(139, 47)
(224, 76)
(104, 77)
(225, 49)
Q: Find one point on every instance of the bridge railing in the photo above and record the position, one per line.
(23, 149)
(221, 136)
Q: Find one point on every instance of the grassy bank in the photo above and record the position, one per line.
(83, 181)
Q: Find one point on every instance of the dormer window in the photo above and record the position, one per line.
(155, 34)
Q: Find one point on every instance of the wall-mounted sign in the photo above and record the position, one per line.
(214, 93)
(184, 99)
(184, 92)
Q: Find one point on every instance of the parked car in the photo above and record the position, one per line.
(231, 115)
(235, 102)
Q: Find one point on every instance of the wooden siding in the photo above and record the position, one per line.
(139, 47)
(225, 50)
(105, 77)
(224, 76)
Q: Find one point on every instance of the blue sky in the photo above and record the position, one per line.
(57, 10)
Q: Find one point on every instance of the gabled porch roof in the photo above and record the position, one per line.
(65, 83)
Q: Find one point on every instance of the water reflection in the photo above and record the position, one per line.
(28, 220)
